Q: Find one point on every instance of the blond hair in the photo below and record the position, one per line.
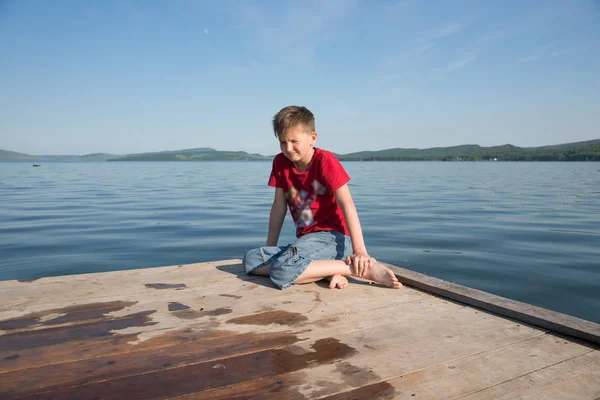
(291, 116)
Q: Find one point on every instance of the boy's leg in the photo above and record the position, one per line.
(264, 270)
(319, 269)
(325, 253)
(293, 261)
(311, 258)
(257, 261)
(329, 269)
(335, 281)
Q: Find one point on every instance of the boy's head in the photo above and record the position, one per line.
(292, 116)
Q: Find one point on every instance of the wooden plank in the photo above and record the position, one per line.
(210, 331)
(373, 377)
(203, 313)
(386, 352)
(44, 291)
(196, 304)
(310, 327)
(34, 351)
(139, 274)
(94, 347)
(178, 353)
(302, 357)
(230, 290)
(546, 319)
(577, 378)
(101, 287)
(64, 334)
(462, 377)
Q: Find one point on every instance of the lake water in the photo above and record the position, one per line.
(526, 231)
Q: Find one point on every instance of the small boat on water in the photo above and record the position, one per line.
(36, 165)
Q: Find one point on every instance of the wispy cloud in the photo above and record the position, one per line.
(530, 58)
(550, 49)
(570, 50)
(461, 62)
(426, 42)
(448, 29)
(293, 32)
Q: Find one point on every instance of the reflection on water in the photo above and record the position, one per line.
(527, 231)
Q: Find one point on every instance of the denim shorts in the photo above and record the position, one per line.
(287, 263)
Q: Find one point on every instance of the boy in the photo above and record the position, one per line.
(314, 185)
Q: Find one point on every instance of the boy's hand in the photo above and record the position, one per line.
(360, 263)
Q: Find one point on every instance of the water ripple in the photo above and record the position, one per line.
(527, 231)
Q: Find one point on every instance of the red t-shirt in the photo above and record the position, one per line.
(309, 194)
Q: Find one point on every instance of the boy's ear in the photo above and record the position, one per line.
(314, 135)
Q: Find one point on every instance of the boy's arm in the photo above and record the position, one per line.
(278, 210)
(360, 258)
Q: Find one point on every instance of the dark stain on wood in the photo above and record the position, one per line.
(45, 337)
(355, 376)
(86, 311)
(174, 306)
(327, 321)
(269, 388)
(231, 296)
(100, 347)
(72, 313)
(198, 377)
(376, 391)
(217, 311)
(18, 323)
(279, 317)
(324, 350)
(161, 286)
(193, 313)
(317, 298)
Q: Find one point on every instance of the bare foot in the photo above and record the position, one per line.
(382, 274)
(337, 281)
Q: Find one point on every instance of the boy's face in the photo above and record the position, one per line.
(296, 144)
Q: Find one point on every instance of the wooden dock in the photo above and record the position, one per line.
(209, 331)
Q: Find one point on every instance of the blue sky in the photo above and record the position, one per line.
(116, 76)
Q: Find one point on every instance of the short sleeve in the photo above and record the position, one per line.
(277, 178)
(333, 174)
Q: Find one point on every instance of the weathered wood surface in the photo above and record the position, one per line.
(208, 331)
(541, 317)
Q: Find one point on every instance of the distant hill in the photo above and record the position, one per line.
(97, 157)
(577, 151)
(6, 155)
(205, 154)
(14, 156)
(566, 146)
(155, 153)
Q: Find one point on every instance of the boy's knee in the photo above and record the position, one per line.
(252, 259)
